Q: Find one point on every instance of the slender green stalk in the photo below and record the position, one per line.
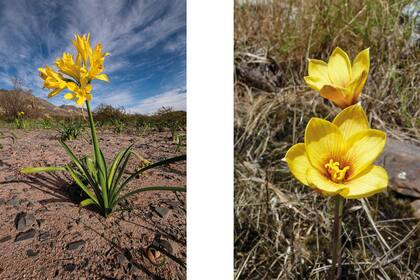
(336, 238)
(98, 159)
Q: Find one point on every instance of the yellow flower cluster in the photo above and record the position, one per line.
(337, 157)
(76, 73)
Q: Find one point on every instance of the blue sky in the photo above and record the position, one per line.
(146, 39)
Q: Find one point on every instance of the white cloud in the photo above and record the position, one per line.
(174, 98)
(116, 98)
(177, 44)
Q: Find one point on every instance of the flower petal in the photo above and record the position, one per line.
(54, 92)
(314, 83)
(323, 141)
(318, 69)
(336, 95)
(72, 86)
(351, 120)
(356, 86)
(318, 181)
(81, 101)
(361, 63)
(339, 67)
(298, 162)
(102, 77)
(363, 149)
(368, 183)
(69, 96)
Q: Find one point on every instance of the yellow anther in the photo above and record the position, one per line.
(336, 174)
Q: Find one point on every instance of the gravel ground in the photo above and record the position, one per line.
(45, 235)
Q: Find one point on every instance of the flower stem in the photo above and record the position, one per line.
(99, 160)
(336, 238)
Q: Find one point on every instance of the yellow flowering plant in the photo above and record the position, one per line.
(103, 184)
(20, 120)
(339, 80)
(337, 158)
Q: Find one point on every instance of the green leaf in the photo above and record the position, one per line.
(114, 191)
(81, 167)
(71, 155)
(29, 170)
(91, 167)
(102, 178)
(154, 188)
(87, 202)
(115, 165)
(81, 185)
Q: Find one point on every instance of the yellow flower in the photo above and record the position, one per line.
(76, 74)
(338, 157)
(67, 66)
(21, 114)
(80, 93)
(82, 45)
(97, 64)
(339, 80)
(52, 80)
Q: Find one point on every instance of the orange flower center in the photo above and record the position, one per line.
(336, 173)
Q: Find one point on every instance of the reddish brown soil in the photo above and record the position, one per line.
(114, 247)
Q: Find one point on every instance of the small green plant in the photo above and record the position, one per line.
(45, 124)
(20, 121)
(117, 126)
(178, 138)
(142, 126)
(142, 162)
(70, 130)
(180, 141)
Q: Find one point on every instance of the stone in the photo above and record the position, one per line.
(122, 259)
(32, 253)
(69, 267)
(24, 220)
(173, 204)
(25, 235)
(13, 202)
(163, 212)
(43, 236)
(402, 161)
(263, 75)
(75, 245)
(163, 245)
(9, 178)
(6, 238)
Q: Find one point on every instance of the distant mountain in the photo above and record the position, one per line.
(12, 101)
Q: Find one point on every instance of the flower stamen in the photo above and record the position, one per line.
(337, 175)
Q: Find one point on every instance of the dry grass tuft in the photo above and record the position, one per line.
(281, 227)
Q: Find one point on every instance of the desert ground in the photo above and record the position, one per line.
(44, 234)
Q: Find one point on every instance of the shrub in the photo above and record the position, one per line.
(70, 130)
